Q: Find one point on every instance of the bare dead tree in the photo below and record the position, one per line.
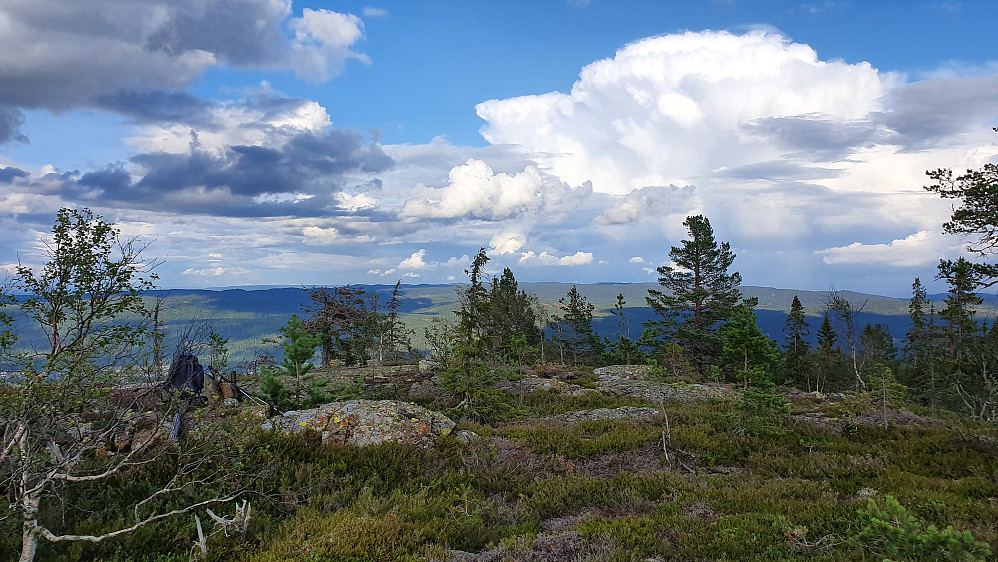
(844, 313)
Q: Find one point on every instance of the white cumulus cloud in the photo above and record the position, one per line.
(544, 258)
(323, 41)
(474, 190)
(415, 261)
(920, 249)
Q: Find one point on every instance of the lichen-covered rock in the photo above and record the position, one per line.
(368, 422)
(622, 413)
(632, 381)
(527, 385)
(627, 372)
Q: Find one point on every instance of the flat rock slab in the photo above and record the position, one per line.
(527, 385)
(622, 413)
(632, 381)
(368, 422)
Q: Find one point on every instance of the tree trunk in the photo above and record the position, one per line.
(29, 533)
(29, 544)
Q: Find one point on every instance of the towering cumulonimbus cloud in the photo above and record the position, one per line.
(670, 109)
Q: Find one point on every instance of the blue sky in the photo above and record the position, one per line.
(270, 142)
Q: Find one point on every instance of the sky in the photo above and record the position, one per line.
(271, 142)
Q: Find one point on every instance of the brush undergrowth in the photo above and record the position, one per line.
(603, 490)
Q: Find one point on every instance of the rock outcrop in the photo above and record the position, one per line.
(527, 385)
(633, 381)
(621, 413)
(367, 422)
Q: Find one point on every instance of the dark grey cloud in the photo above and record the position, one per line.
(236, 181)
(11, 119)
(64, 54)
(239, 32)
(112, 178)
(778, 170)
(158, 106)
(817, 139)
(8, 174)
(927, 113)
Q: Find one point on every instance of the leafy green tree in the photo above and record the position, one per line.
(219, 348)
(574, 327)
(698, 294)
(7, 335)
(60, 417)
(796, 331)
(299, 347)
(93, 278)
(746, 349)
(441, 339)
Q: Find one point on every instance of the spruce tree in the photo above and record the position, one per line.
(829, 365)
(960, 301)
(878, 345)
(510, 314)
(623, 348)
(827, 339)
(746, 349)
(698, 294)
(474, 306)
(796, 331)
(574, 328)
(920, 339)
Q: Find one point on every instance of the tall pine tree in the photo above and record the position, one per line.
(698, 294)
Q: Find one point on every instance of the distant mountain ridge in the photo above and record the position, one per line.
(246, 316)
(271, 307)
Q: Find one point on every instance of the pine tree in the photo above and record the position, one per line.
(796, 331)
(699, 293)
(977, 214)
(299, 347)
